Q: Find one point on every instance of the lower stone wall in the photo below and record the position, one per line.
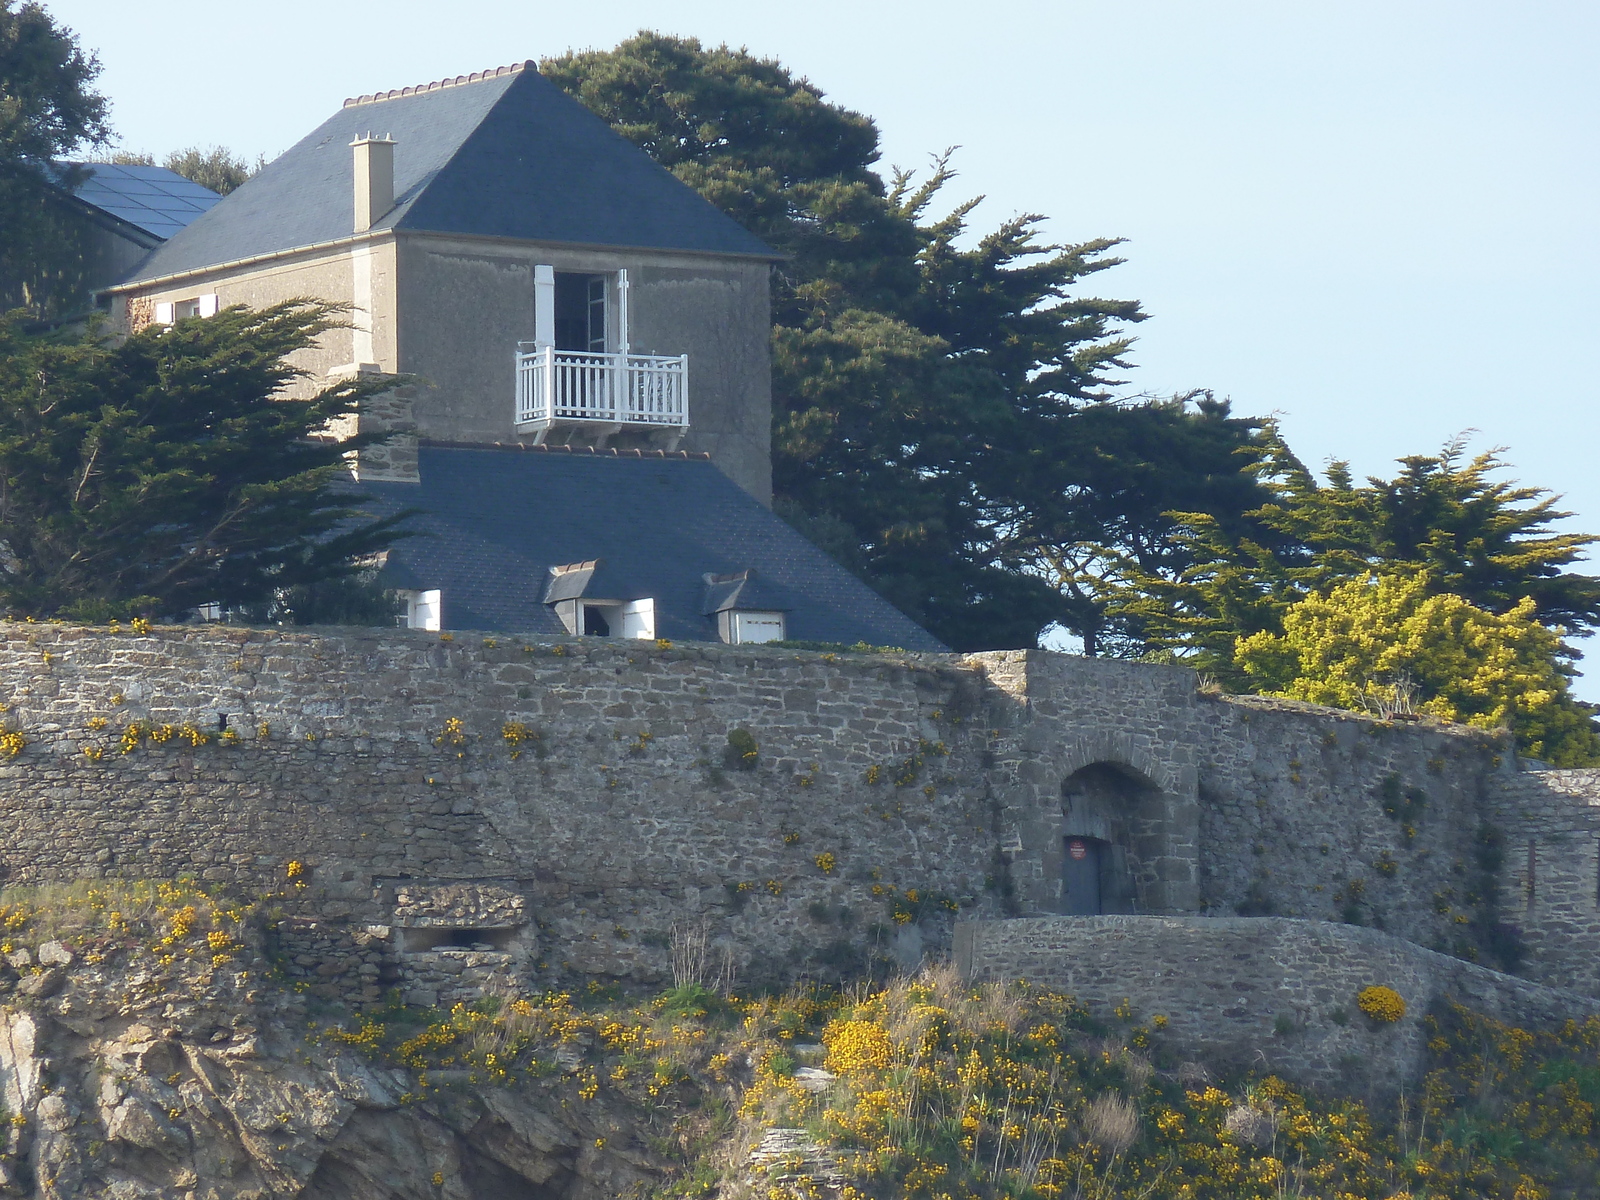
(1549, 823)
(1265, 993)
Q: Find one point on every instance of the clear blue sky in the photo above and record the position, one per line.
(1376, 220)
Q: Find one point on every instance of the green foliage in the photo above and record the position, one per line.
(742, 752)
(354, 599)
(216, 168)
(1369, 642)
(1487, 541)
(1097, 503)
(168, 471)
(47, 110)
(908, 365)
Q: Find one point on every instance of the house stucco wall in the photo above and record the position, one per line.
(331, 276)
(464, 304)
(450, 311)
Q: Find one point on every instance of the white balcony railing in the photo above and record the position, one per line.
(624, 389)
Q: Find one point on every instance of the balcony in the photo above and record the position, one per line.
(615, 391)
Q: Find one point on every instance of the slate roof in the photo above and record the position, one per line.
(495, 521)
(156, 200)
(506, 155)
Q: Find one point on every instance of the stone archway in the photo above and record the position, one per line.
(1110, 840)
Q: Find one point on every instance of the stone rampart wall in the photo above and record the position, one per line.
(1550, 880)
(1268, 994)
(883, 794)
(1289, 807)
(618, 810)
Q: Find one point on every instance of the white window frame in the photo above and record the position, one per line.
(741, 626)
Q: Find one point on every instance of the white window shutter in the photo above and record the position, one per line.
(423, 610)
(208, 305)
(544, 305)
(639, 619)
(164, 312)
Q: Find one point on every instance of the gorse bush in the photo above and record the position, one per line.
(931, 1089)
(124, 920)
(941, 1091)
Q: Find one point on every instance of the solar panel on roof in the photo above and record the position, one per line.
(158, 201)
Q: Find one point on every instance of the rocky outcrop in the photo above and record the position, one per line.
(182, 1081)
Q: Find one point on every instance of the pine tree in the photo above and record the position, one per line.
(906, 365)
(47, 109)
(168, 470)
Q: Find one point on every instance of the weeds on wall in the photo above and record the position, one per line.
(742, 753)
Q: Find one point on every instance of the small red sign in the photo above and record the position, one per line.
(1077, 849)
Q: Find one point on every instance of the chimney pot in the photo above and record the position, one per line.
(374, 179)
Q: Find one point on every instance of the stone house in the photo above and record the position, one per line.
(541, 284)
(547, 281)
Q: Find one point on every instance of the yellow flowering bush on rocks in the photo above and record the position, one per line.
(128, 919)
(929, 1088)
(855, 1046)
(942, 1091)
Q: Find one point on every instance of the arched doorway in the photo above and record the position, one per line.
(1105, 808)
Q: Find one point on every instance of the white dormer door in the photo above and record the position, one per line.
(423, 610)
(639, 619)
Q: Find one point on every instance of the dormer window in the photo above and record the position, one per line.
(740, 628)
(747, 611)
(592, 601)
(609, 618)
(424, 609)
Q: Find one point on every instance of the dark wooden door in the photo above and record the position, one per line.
(1080, 885)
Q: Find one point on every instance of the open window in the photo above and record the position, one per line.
(168, 311)
(609, 618)
(593, 601)
(581, 303)
(424, 610)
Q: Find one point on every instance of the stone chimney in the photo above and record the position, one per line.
(374, 191)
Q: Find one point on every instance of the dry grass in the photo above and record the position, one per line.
(1111, 1122)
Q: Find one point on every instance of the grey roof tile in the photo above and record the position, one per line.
(508, 155)
(494, 521)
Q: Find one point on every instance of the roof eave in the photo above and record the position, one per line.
(366, 235)
(769, 255)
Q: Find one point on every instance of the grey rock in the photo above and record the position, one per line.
(45, 983)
